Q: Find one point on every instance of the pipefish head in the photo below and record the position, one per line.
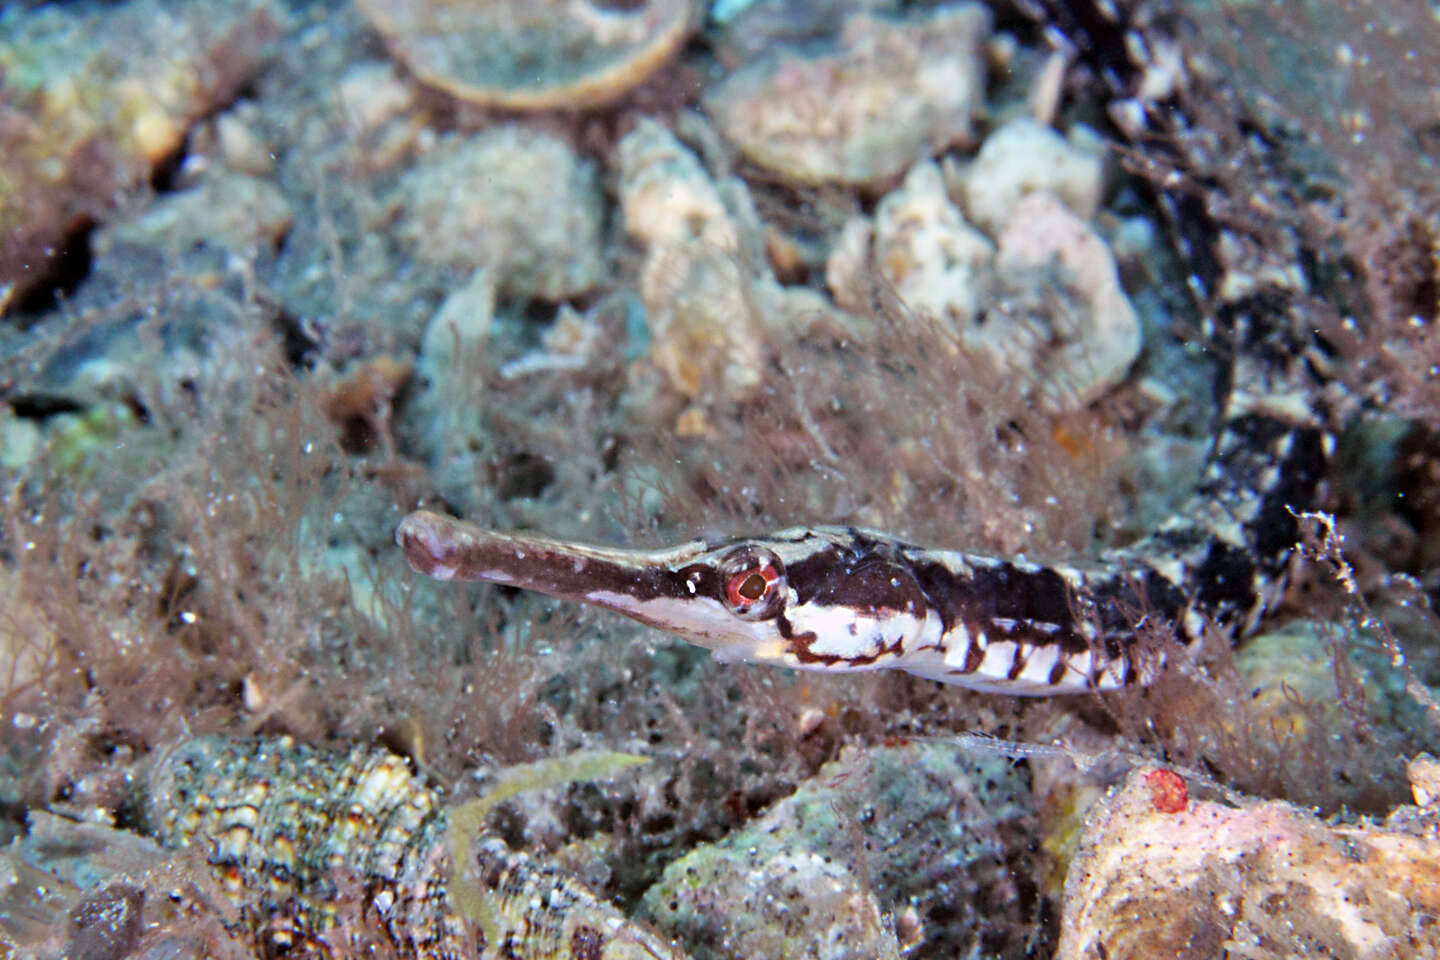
(808, 597)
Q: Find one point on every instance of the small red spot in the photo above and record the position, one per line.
(1168, 792)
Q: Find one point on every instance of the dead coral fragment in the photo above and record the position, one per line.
(896, 92)
(90, 102)
(1091, 344)
(1045, 307)
(527, 55)
(666, 196)
(715, 310)
(1268, 880)
(1025, 157)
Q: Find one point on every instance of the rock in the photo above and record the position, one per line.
(714, 308)
(666, 196)
(234, 211)
(1266, 880)
(20, 440)
(371, 95)
(893, 93)
(746, 29)
(1289, 673)
(511, 199)
(242, 148)
(1424, 775)
(708, 335)
(106, 925)
(91, 102)
(1023, 157)
(880, 829)
(1044, 307)
(76, 890)
(529, 55)
(937, 263)
(1088, 346)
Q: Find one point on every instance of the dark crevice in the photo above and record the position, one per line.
(62, 273)
(300, 347)
(42, 406)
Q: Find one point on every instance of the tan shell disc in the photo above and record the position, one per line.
(531, 54)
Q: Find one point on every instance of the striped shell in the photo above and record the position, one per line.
(303, 841)
(323, 854)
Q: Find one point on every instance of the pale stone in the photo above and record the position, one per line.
(519, 202)
(893, 93)
(1024, 157)
(1043, 234)
(665, 194)
(1150, 883)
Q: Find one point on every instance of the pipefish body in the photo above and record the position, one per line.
(838, 598)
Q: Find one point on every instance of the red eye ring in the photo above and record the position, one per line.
(751, 586)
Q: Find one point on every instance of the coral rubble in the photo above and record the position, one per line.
(989, 297)
(893, 92)
(1024, 157)
(972, 273)
(1266, 879)
(874, 832)
(715, 309)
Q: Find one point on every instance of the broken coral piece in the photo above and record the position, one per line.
(1043, 306)
(1024, 157)
(714, 309)
(936, 262)
(1087, 347)
(91, 102)
(895, 92)
(529, 55)
(1208, 879)
(666, 195)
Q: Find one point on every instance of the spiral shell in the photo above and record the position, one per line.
(323, 854)
(302, 841)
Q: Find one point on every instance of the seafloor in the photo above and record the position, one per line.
(275, 273)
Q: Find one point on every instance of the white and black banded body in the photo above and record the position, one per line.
(847, 599)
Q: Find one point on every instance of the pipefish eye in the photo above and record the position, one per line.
(753, 580)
